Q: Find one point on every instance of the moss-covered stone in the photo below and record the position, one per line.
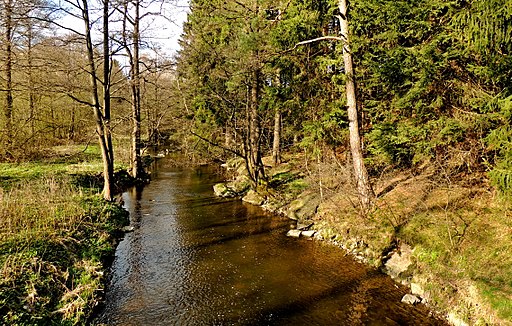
(221, 190)
(252, 197)
(304, 207)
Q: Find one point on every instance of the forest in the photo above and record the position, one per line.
(396, 113)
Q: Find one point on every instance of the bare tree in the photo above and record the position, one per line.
(8, 29)
(101, 115)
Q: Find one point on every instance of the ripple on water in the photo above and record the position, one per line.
(194, 259)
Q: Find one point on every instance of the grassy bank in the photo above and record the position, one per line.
(460, 232)
(55, 234)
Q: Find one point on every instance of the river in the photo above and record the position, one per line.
(194, 259)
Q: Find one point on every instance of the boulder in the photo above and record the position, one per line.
(411, 299)
(221, 190)
(417, 289)
(252, 197)
(304, 207)
(399, 262)
(294, 233)
(309, 233)
(240, 185)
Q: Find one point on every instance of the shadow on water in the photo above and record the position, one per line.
(194, 259)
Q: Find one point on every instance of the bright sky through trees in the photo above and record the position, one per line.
(161, 32)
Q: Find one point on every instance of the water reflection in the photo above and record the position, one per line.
(194, 259)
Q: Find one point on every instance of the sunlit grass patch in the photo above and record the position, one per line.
(55, 232)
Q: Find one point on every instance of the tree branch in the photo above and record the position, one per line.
(218, 145)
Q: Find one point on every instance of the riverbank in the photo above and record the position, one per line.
(448, 239)
(56, 236)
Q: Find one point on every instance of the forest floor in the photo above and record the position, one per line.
(455, 231)
(56, 235)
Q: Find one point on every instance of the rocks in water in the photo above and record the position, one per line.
(399, 262)
(294, 233)
(221, 190)
(252, 197)
(411, 299)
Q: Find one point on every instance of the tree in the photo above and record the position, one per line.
(8, 30)
(364, 188)
(101, 114)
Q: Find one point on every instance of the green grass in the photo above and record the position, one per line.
(55, 232)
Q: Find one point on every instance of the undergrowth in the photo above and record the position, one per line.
(460, 232)
(55, 233)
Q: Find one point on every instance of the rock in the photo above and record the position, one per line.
(399, 262)
(308, 234)
(221, 190)
(416, 289)
(411, 299)
(128, 228)
(294, 233)
(252, 197)
(303, 226)
(304, 207)
(240, 185)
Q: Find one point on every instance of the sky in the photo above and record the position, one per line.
(163, 32)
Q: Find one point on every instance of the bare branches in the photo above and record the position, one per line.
(237, 153)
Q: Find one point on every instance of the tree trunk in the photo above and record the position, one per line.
(276, 145)
(8, 75)
(108, 168)
(99, 117)
(254, 155)
(136, 103)
(364, 188)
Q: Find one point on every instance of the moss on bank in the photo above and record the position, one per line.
(460, 233)
(56, 233)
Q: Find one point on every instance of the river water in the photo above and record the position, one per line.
(194, 259)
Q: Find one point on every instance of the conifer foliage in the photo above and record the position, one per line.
(433, 80)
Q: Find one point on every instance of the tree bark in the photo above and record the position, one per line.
(108, 162)
(276, 145)
(8, 75)
(256, 164)
(135, 90)
(106, 95)
(364, 188)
